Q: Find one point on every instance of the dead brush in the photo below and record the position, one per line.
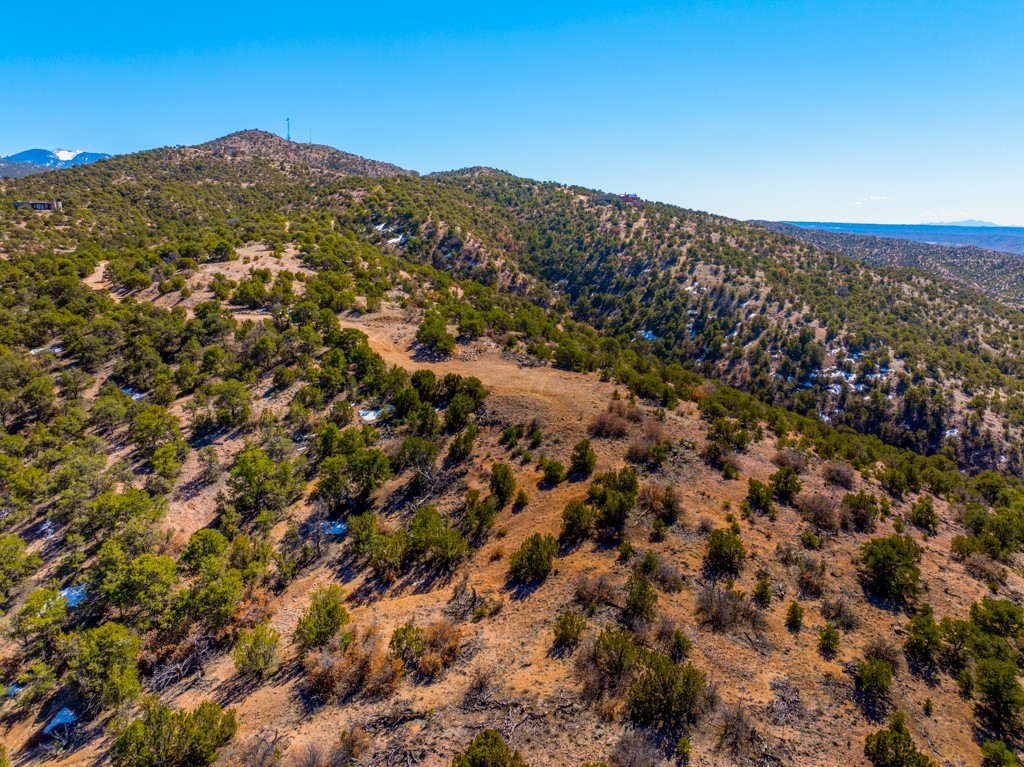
(593, 591)
(262, 749)
(638, 450)
(659, 570)
(787, 554)
(670, 639)
(840, 612)
(738, 733)
(634, 750)
(984, 568)
(623, 409)
(661, 500)
(426, 651)
(609, 426)
(443, 639)
(725, 609)
(820, 511)
(483, 680)
(839, 474)
(655, 431)
(351, 744)
(881, 649)
(311, 755)
(351, 665)
(791, 457)
(810, 576)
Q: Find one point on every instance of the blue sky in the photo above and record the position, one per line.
(894, 112)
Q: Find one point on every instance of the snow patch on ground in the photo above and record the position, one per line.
(335, 528)
(74, 595)
(64, 716)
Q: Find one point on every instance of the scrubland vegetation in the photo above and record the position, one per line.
(220, 494)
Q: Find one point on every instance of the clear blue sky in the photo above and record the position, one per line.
(894, 112)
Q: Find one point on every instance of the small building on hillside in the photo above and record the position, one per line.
(39, 204)
(626, 199)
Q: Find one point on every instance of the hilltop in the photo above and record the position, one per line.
(358, 464)
(268, 146)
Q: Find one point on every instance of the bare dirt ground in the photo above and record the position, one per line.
(802, 704)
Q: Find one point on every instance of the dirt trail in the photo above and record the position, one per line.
(515, 643)
(98, 280)
(393, 338)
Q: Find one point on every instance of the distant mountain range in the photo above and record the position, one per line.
(999, 274)
(965, 222)
(1006, 239)
(37, 160)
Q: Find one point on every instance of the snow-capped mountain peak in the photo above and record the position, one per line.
(44, 159)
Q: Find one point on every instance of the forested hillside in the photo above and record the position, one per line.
(307, 458)
(1000, 275)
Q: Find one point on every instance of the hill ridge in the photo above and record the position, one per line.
(517, 429)
(266, 145)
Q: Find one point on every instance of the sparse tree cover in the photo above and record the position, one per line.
(759, 496)
(461, 445)
(996, 754)
(725, 553)
(433, 540)
(794, 616)
(613, 495)
(488, 749)
(503, 484)
(828, 639)
(162, 737)
(641, 600)
(40, 620)
(139, 589)
(534, 560)
(923, 642)
(890, 566)
(785, 484)
(576, 521)
(923, 515)
(569, 628)
(874, 677)
(102, 665)
(1001, 697)
(434, 334)
(15, 562)
(583, 460)
(260, 485)
(666, 693)
(893, 746)
(256, 652)
(554, 472)
(323, 619)
(899, 389)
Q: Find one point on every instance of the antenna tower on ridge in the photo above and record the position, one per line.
(288, 120)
